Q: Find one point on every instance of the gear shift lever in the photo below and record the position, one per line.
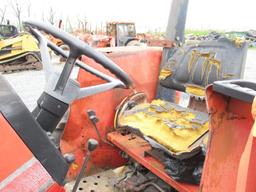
(91, 146)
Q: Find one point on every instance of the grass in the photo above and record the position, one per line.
(195, 32)
(200, 32)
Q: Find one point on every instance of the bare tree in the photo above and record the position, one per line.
(68, 25)
(79, 23)
(17, 9)
(43, 16)
(28, 6)
(2, 14)
(85, 22)
(82, 24)
(51, 17)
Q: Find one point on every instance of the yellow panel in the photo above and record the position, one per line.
(20, 44)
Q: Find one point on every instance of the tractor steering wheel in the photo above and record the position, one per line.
(61, 86)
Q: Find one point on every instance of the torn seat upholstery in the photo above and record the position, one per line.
(170, 125)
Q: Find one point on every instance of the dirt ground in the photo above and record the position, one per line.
(30, 84)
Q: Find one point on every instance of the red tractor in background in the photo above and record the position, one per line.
(119, 33)
(115, 127)
(116, 34)
(122, 33)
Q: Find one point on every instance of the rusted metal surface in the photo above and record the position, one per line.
(142, 64)
(139, 178)
(197, 104)
(230, 160)
(135, 147)
(160, 43)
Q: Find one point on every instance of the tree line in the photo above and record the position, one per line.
(13, 11)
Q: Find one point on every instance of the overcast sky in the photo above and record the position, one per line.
(152, 14)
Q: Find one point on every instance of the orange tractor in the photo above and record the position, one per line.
(122, 33)
(116, 128)
(117, 34)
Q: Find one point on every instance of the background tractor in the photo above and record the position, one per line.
(123, 33)
(117, 34)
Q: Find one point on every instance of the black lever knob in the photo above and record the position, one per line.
(92, 116)
(70, 158)
(92, 144)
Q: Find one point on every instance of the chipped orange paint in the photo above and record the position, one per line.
(230, 160)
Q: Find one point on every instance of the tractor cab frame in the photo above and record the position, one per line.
(7, 31)
(122, 32)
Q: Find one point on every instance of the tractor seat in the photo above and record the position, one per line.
(177, 129)
(171, 125)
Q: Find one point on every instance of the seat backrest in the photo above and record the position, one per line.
(204, 62)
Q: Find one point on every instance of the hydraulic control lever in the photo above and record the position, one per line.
(94, 119)
(91, 146)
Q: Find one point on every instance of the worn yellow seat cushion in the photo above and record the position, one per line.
(172, 126)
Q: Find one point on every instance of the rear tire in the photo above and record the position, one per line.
(133, 43)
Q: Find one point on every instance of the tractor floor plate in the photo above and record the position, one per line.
(100, 182)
